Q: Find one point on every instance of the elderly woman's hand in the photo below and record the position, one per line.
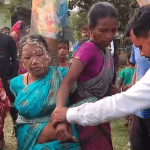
(64, 133)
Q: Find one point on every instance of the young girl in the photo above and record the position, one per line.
(93, 69)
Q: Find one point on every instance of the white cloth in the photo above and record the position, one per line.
(116, 106)
(112, 48)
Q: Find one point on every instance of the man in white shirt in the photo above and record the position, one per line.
(119, 105)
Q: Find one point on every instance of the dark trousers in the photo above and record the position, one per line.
(139, 133)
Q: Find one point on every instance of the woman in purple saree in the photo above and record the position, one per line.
(93, 69)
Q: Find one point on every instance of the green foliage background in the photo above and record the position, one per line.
(125, 10)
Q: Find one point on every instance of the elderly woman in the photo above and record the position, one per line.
(35, 93)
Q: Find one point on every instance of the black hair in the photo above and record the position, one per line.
(5, 28)
(101, 10)
(140, 22)
(34, 38)
(84, 27)
(63, 40)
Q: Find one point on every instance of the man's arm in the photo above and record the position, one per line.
(120, 82)
(119, 105)
(134, 76)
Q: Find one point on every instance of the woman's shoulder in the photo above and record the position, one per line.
(16, 80)
(16, 84)
(88, 45)
(87, 48)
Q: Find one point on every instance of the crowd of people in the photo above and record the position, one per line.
(74, 101)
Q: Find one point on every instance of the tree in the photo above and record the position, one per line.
(125, 9)
(17, 4)
(77, 20)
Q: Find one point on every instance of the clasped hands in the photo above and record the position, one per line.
(63, 128)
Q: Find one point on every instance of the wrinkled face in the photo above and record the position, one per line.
(6, 31)
(85, 33)
(62, 50)
(35, 60)
(143, 43)
(104, 31)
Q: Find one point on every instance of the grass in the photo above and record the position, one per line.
(120, 137)
(119, 134)
(11, 143)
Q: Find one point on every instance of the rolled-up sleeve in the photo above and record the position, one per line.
(116, 106)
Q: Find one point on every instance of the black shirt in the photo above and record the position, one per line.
(8, 57)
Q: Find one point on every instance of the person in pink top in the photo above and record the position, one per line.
(92, 69)
(17, 32)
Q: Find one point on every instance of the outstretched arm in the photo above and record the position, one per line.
(119, 105)
(63, 93)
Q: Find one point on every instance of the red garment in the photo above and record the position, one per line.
(92, 59)
(4, 108)
(17, 26)
(15, 29)
(95, 137)
(15, 38)
(21, 70)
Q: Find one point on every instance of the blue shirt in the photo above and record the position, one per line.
(143, 64)
(75, 47)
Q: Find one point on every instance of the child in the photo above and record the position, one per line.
(63, 49)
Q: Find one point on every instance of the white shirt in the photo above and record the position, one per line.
(108, 108)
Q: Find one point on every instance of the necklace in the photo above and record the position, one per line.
(28, 78)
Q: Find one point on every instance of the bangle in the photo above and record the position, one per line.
(121, 89)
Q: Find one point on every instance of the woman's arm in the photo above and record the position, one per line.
(65, 87)
(114, 89)
(49, 134)
(134, 76)
(62, 95)
(120, 83)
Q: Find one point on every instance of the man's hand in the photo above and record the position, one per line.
(59, 115)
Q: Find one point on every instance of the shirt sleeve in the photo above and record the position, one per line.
(132, 58)
(75, 47)
(116, 106)
(85, 53)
